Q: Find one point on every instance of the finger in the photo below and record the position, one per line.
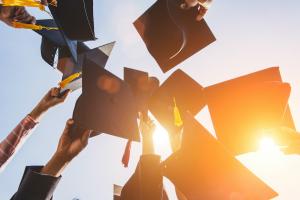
(68, 126)
(19, 11)
(85, 137)
(201, 13)
(54, 92)
(65, 95)
(32, 20)
(44, 2)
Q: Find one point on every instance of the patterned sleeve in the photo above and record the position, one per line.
(13, 141)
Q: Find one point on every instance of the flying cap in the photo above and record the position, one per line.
(178, 94)
(172, 34)
(204, 169)
(245, 108)
(106, 105)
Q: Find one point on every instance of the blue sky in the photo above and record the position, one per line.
(251, 35)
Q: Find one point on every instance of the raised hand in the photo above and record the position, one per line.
(52, 98)
(68, 148)
(9, 14)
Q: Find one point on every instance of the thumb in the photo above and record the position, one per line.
(68, 126)
(85, 137)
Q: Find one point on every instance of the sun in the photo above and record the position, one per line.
(161, 141)
(268, 146)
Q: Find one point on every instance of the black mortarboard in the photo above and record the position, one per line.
(244, 108)
(97, 55)
(75, 18)
(53, 40)
(142, 86)
(204, 169)
(187, 94)
(106, 105)
(172, 34)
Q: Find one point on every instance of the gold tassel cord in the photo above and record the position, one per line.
(28, 3)
(68, 80)
(177, 118)
(32, 26)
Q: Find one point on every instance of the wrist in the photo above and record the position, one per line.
(55, 165)
(37, 112)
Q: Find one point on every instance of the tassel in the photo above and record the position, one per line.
(126, 155)
(68, 80)
(32, 26)
(29, 3)
(177, 118)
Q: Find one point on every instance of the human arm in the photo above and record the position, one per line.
(39, 183)
(14, 139)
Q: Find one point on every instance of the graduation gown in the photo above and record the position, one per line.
(36, 186)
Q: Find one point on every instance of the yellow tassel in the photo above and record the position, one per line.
(66, 81)
(29, 3)
(32, 26)
(177, 118)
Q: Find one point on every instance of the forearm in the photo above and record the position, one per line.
(148, 145)
(38, 112)
(13, 141)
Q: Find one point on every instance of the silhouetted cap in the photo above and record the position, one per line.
(142, 86)
(172, 34)
(68, 68)
(75, 18)
(179, 93)
(245, 108)
(53, 40)
(106, 105)
(204, 169)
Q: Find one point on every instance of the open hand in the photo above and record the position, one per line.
(69, 146)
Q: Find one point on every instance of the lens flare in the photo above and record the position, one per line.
(268, 146)
(161, 142)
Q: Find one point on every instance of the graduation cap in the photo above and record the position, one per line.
(142, 87)
(106, 104)
(178, 94)
(75, 18)
(72, 72)
(204, 169)
(244, 109)
(172, 34)
(53, 40)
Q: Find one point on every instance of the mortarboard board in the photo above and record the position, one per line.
(172, 34)
(204, 169)
(244, 108)
(106, 104)
(66, 65)
(142, 86)
(52, 40)
(75, 18)
(187, 94)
